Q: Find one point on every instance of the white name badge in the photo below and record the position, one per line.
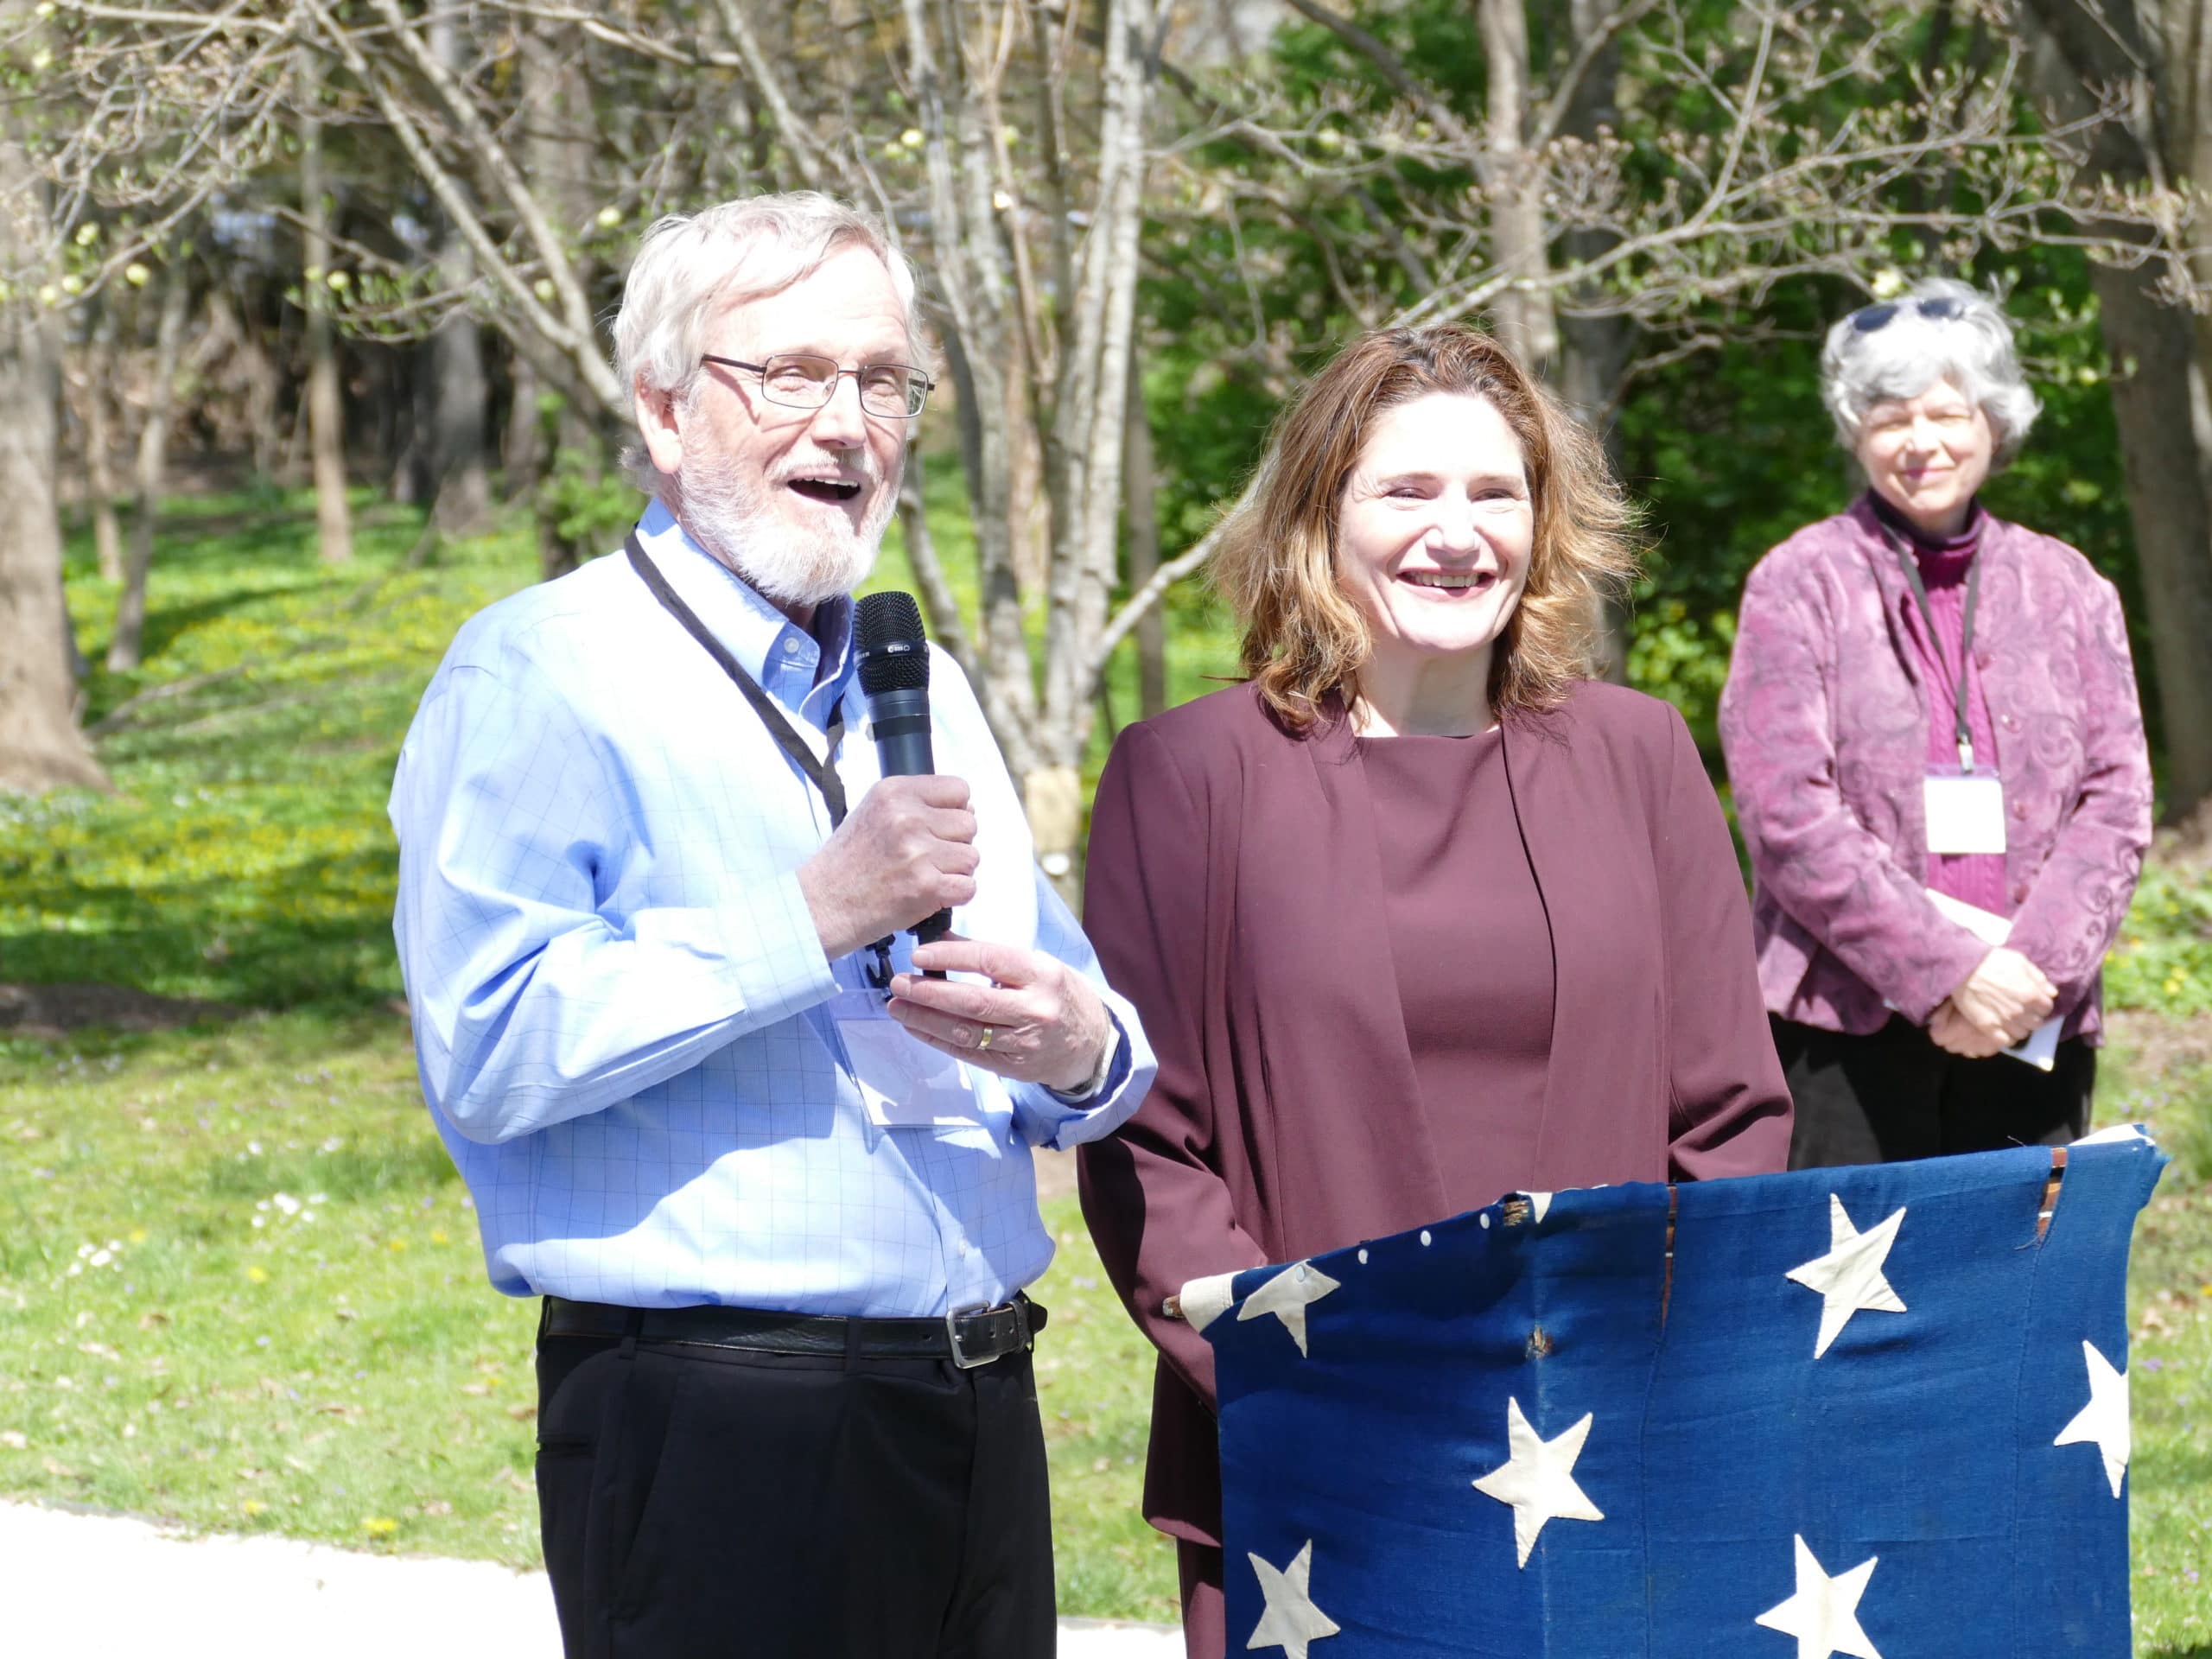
(1965, 812)
(906, 1084)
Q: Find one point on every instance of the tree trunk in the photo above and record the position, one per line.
(558, 149)
(2159, 404)
(40, 747)
(1140, 521)
(1595, 351)
(123, 650)
(980, 353)
(415, 414)
(326, 402)
(2161, 361)
(460, 399)
(522, 461)
(1088, 424)
(264, 389)
(2178, 572)
(1518, 241)
(99, 446)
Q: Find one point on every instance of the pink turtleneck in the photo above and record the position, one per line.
(1975, 878)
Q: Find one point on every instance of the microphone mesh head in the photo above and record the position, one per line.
(888, 641)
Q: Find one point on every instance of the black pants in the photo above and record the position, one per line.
(1894, 1094)
(701, 1503)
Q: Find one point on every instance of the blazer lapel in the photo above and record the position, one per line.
(1604, 1090)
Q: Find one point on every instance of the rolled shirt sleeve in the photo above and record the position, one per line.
(536, 1002)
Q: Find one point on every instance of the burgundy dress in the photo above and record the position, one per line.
(1472, 952)
(1330, 942)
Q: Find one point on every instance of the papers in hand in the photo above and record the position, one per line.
(2041, 1049)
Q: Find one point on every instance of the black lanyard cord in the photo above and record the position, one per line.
(1962, 730)
(823, 774)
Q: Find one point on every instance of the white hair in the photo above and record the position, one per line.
(690, 265)
(1971, 346)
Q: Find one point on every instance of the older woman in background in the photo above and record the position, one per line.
(1420, 915)
(1937, 755)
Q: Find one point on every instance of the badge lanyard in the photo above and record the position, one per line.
(821, 773)
(1966, 641)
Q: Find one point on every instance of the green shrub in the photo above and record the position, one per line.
(2162, 962)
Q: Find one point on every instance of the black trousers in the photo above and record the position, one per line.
(1894, 1094)
(701, 1502)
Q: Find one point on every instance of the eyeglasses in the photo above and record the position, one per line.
(798, 380)
(1940, 308)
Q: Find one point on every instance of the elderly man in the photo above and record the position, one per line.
(785, 1398)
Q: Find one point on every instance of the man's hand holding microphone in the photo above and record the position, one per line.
(906, 855)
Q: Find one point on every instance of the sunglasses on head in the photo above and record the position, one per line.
(1939, 308)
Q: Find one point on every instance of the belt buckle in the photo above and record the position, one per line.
(960, 1357)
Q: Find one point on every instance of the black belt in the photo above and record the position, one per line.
(969, 1336)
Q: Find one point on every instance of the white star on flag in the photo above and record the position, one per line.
(1849, 1277)
(1287, 1296)
(1538, 1480)
(1291, 1620)
(2103, 1422)
(1824, 1613)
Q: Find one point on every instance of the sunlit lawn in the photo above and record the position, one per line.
(245, 856)
(239, 1284)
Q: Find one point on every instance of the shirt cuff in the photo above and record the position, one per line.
(1114, 1057)
(1047, 1118)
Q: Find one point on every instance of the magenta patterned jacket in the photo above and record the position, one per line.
(1825, 724)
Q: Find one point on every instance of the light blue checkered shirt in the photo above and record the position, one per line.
(622, 1009)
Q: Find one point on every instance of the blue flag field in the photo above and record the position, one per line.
(1876, 1412)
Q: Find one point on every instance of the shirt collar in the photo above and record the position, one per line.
(783, 658)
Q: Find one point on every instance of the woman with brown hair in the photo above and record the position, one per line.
(1421, 914)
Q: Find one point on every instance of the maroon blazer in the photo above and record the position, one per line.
(1236, 896)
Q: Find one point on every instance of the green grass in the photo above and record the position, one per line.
(2170, 1383)
(240, 1287)
(352, 1378)
(2164, 959)
(238, 1366)
(243, 856)
(2170, 1366)
(182, 1342)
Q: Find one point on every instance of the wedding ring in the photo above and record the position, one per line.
(983, 1041)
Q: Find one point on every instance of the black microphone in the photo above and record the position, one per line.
(894, 657)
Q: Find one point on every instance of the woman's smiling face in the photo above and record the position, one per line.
(1436, 527)
(1928, 455)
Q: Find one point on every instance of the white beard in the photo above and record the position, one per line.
(730, 518)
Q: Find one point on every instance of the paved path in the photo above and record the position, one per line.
(101, 1586)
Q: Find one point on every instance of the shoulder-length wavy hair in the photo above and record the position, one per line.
(1304, 637)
